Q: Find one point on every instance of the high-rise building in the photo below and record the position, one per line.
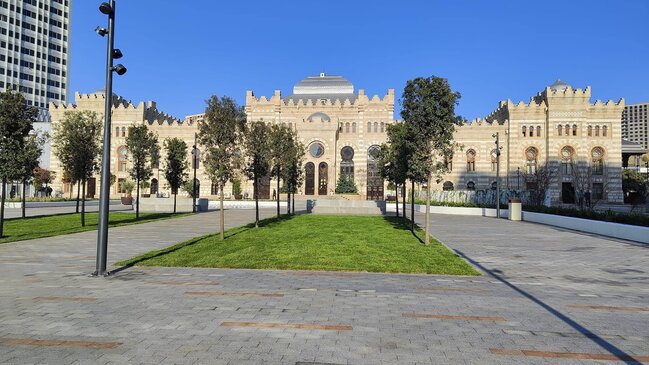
(34, 36)
(635, 124)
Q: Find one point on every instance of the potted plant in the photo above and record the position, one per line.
(128, 186)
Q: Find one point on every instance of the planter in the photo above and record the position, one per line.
(127, 200)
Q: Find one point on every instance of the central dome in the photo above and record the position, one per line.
(559, 86)
(323, 84)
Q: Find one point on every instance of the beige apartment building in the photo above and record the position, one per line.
(635, 124)
(342, 129)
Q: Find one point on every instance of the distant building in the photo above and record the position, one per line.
(34, 54)
(342, 130)
(635, 124)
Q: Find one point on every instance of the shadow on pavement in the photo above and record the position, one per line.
(612, 349)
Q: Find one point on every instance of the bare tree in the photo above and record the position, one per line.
(538, 181)
(583, 177)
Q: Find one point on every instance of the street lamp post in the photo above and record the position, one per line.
(194, 165)
(518, 178)
(107, 8)
(496, 135)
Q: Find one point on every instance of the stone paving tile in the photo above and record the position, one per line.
(545, 282)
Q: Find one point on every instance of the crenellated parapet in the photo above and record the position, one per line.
(308, 100)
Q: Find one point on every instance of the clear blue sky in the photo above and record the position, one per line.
(179, 55)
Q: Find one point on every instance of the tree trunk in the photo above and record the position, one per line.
(71, 190)
(427, 225)
(277, 193)
(255, 192)
(403, 194)
(2, 206)
(222, 213)
(83, 203)
(293, 205)
(24, 200)
(396, 197)
(78, 190)
(137, 199)
(175, 196)
(288, 202)
(412, 205)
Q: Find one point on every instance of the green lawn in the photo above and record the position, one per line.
(17, 229)
(309, 242)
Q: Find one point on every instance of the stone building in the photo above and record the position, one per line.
(579, 141)
(560, 128)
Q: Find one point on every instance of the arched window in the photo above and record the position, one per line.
(538, 131)
(567, 130)
(354, 127)
(531, 131)
(347, 127)
(596, 131)
(574, 129)
(347, 164)
(604, 130)
(449, 164)
(123, 131)
(376, 127)
(214, 189)
(590, 131)
(494, 157)
(524, 131)
(369, 127)
(116, 131)
(531, 158)
(316, 149)
(122, 155)
(597, 156)
(470, 185)
(154, 186)
(448, 186)
(567, 158)
(382, 127)
(470, 160)
(559, 129)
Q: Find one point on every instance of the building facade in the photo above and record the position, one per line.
(342, 129)
(34, 36)
(635, 124)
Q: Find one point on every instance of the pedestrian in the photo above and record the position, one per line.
(580, 198)
(587, 196)
(274, 194)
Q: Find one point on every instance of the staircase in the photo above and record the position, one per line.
(346, 207)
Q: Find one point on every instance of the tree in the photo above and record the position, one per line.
(142, 145)
(221, 132)
(280, 145)
(634, 186)
(346, 185)
(77, 143)
(29, 157)
(292, 172)
(538, 181)
(257, 152)
(43, 177)
(176, 165)
(16, 121)
(393, 158)
(428, 108)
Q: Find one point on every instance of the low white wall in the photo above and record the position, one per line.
(244, 204)
(616, 230)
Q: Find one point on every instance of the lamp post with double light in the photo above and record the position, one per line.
(107, 8)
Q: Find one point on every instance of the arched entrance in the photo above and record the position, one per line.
(374, 179)
(264, 187)
(309, 180)
(323, 178)
(154, 186)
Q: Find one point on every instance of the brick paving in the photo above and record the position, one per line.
(547, 296)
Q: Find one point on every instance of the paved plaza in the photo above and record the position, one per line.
(547, 296)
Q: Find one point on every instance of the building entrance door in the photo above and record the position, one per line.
(264, 187)
(309, 181)
(92, 187)
(323, 178)
(567, 193)
(374, 179)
